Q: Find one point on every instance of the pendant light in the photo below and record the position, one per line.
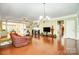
(44, 17)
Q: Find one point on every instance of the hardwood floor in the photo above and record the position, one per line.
(39, 46)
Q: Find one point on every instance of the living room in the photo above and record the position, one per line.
(23, 31)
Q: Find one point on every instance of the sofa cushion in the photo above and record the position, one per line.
(5, 41)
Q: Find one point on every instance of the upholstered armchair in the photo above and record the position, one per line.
(19, 41)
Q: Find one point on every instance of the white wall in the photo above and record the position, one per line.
(47, 23)
(70, 27)
(78, 33)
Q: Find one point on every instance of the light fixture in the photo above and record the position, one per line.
(44, 10)
(41, 17)
(44, 17)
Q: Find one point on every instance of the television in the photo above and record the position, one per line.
(46, 29)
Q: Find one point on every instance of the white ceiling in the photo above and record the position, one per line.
(34, 10)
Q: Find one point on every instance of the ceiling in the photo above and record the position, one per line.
(34, 10)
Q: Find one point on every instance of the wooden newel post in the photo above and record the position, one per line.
(52, 31)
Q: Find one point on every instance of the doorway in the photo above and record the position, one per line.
(61, 29)
(60, 36)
